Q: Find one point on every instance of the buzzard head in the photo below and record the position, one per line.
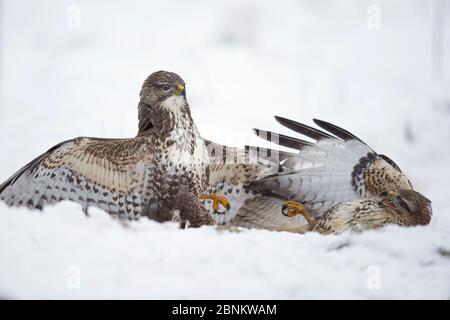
(161, 86)
(412, 207)
(161, 92)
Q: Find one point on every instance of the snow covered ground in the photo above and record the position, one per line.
(61, 254)
(378, 68)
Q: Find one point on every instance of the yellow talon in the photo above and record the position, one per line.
(292, 208)
(217, 198)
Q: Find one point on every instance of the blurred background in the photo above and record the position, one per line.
(380, 69)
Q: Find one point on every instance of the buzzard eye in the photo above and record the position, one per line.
(165, 87)
(384, 194)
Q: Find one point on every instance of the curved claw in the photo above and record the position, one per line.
(217, 199)
(216, 207)
(292, 208)
(284, 210)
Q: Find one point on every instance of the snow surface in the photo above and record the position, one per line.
(243, 62)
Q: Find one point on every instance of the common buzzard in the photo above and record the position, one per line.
(163, 169)
(337, 183)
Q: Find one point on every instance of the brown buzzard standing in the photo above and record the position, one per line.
(164, 168)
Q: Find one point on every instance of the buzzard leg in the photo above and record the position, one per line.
(217, 199)
(292, 208)
(192, 213)
(186, 210)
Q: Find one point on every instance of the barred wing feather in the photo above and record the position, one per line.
(106, 173)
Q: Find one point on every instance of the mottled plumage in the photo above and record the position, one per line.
(331, 170)
(231, 173)
(161, 170)
(405, 208)
(338, 167)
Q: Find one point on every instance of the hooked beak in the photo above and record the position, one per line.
(387, 200)
(180, 90)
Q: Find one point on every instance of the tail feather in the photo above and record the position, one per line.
(337, 131)
(320, 174)
(304, 129)
(282, 139)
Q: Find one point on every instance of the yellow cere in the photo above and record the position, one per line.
(392, 194)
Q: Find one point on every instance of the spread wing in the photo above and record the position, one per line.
(232, 171)
(106, 173)
(337, 167)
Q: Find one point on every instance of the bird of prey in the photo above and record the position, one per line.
(405, 208)
(162, 170)
(337, 183)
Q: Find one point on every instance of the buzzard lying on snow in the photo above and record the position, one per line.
(337, 183)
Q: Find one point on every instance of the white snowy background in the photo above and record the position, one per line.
(380, 69)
